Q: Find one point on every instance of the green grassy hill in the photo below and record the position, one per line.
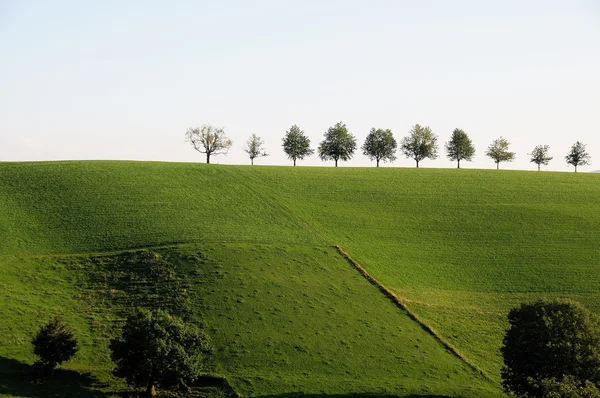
(288, 314)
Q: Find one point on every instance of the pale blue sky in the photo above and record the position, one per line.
(124, 80)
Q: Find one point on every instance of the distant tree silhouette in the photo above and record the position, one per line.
(338, 144)
(296, 145)
(420, 144)
(459, 147)
(380, 145)
(578, 156)
(540, 156)
(254, 148)
(498, 150)
(209, 140)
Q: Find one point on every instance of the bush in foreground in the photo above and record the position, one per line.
(53, 344)
(156, 349)
(550, 342)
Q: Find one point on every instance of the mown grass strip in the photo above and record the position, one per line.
(401, 303)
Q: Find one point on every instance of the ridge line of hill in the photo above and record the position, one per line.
(401, 303)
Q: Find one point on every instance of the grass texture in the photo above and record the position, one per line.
(286, 312)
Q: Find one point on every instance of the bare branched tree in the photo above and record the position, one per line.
(209, 140)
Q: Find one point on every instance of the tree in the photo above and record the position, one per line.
(460, 147)
(338, 144)
(540, 156)
(546, 340)
(54, 344)
(209, 140)
(254, 148)
(296, 145)
(420, 144)
(156, 349)
(578, 156)
(498, 150)
(380, 145)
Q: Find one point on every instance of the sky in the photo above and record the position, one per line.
(125, 80)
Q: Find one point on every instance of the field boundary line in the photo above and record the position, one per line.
(182, 244)
(401, 302)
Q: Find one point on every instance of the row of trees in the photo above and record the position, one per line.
(380, 145)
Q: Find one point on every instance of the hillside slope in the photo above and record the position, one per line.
(461, 246)
(78, 207)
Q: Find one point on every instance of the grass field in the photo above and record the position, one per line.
(287, 314)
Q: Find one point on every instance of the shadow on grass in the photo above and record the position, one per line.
(16, 378)
(357, 395)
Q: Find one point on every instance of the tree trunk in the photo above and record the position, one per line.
(335, 162)
(150, 390)
(538, 167)
(252, 161)
(417, 164)
(51, 369)
(458, 166)
(207, 158)
(294, 161)
(377, 162)
(575, 168)
(497, 165)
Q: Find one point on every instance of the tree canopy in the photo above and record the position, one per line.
(540, 156)
(156, 349)
(254, 148)
(498, 150)
(460, 147)
(568, 387)
(338, 144)
(209, 140)
(550, 340)
(420, 144)
(380, 145)
(578, 156)
(296, 145)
